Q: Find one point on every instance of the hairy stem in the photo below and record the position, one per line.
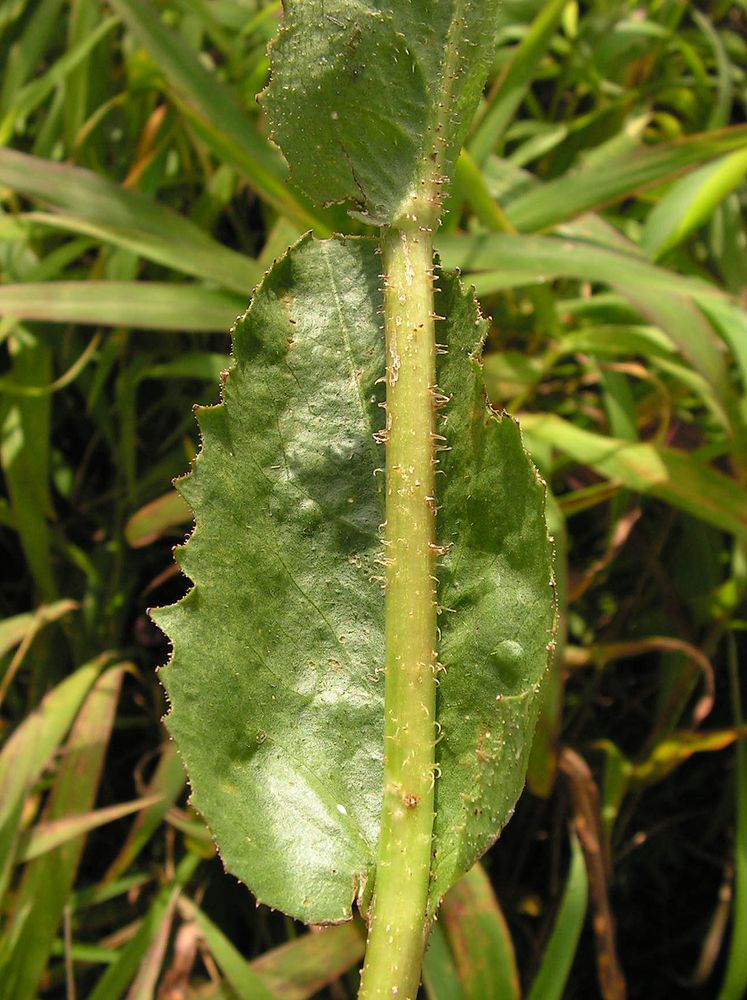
(397, 922)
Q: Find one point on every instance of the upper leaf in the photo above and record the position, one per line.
(370, 100)
(275, 683)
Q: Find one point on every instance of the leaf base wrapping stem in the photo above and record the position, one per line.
(397, 930)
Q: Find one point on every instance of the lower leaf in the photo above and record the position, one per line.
(275, 680)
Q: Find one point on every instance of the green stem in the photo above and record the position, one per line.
(397, 921)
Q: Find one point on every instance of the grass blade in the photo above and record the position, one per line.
(662, 296)
(28, 51)
(195, 364)
(617, 178)
(480, 939)
(32, 95)
(120, 974)
(156, 518)
(721, 109)
(439, 975)
(47, 836)
(587, 822)
(549, 983)
(246, 983)
(146, 980)
(690, 202)
(674, 476)
(28, 750)
(516, 260)
(731, 322)
(214, 114)
(164, 789)
(687, 327)
(472, 185)
(735, 978)
(83, 17)
(510, 88)
(25, 453)
(91, 205)
(301, 968)
(148, 305)
(20, 627)
(47, 880)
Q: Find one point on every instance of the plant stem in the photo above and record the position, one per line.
(397, 921)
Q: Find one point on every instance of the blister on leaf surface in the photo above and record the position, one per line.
(275, 682)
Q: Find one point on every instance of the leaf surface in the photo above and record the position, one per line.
(369, 99)
(275, 682)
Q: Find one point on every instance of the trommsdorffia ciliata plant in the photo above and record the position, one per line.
(355, 673)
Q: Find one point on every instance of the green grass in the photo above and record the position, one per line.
(599, 209)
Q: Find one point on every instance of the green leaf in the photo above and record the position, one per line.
(498, 619)
(371, 103)
(291, 784)
(286, 616)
